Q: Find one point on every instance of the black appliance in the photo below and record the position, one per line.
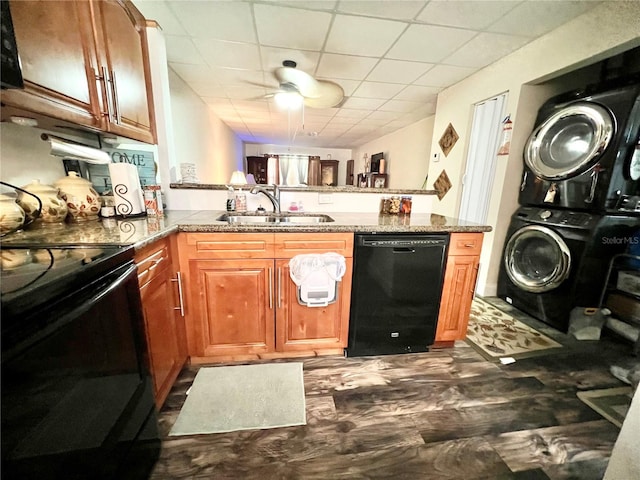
(395, 298)
(10, 70)
(77, 399)
(583, 153)
(555, 260)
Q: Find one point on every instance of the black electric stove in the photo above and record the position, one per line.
(77, 398)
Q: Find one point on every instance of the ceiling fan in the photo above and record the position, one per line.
(299, 86)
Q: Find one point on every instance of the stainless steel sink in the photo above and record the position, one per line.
(271, 219)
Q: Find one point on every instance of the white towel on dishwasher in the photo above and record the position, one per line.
(316, 275)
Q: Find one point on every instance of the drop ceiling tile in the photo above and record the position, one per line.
(290, 27)
(399, 106)
(272, 58)
(182, 50)
(399, 10)
(444, 75)
(486, 48)
(251, 106)
(384, 115)
(373, 122)
(343, 121)
(470, 14)
(379, 90)
(162, 13)
(428, 43)
(352, 35)
(417, 93)
(345, 66)
(244, 92)
(221, 20)
(193, 73)
(349, 113)
(398, 71)
(536, 18)
(363, 103)
(238, 76)
(217, 102)
(310, 4)
(228, 54)
(207, 89)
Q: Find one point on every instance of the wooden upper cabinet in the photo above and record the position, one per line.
(57, 52)
(85, 63)
(124, 68)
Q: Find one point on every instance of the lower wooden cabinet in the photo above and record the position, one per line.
(164, 325)
(242, 301)
(461, 272)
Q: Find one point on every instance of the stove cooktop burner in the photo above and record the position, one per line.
(31, 276)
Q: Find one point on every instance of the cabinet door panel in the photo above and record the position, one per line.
(122, 33)
(457, 294)
(232, 302)
(57, 54)
(299, 327)
(162, 333)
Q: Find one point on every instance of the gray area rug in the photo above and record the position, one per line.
(244, 397)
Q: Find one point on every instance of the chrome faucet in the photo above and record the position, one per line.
(273, 197)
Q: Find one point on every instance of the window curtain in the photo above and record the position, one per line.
(294, 169)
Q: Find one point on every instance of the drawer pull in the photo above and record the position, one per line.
(179, 280)
(279, 286)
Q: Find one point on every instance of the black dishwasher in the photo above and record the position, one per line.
(395, 298)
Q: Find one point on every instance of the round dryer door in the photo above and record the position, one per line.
(569, 141)
(537, 259)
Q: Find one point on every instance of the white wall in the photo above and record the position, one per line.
(201, 137)
(340, 154)
(598, 34)
(406, 153)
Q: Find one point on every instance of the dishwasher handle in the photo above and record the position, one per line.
(403, 243)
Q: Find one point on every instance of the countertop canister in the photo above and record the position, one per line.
(82, 200)
(54, 208)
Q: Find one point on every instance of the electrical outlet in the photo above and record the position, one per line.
(325, 198)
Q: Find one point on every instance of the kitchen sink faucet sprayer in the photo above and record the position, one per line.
(274, 198)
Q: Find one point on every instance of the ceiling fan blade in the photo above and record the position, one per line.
(330, 94)
(305, 83)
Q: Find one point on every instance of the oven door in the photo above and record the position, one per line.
(76, 393)
(537, 259)
(569, 142)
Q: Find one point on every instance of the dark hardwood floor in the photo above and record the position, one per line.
(445, 414)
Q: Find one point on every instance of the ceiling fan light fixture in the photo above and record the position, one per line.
(288, 100)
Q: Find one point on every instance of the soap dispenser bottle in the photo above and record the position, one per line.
(241, 201)
(231, 199)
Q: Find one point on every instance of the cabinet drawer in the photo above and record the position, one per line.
(228, 245)
(288, 245)
(153, 259)
(465, 243)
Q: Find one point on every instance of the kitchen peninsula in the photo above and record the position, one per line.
(197, 273)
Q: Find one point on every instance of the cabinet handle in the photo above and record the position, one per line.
(271, 288)
(179, 280)
(279, 286)
(469, 245)
(108, 93)
(116, 101)
(102, 79)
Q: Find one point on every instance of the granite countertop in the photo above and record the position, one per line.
(142, 231)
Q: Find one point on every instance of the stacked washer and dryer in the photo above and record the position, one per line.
(580, 202)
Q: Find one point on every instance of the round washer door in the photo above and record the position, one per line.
(569, 141)
(537, 259)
